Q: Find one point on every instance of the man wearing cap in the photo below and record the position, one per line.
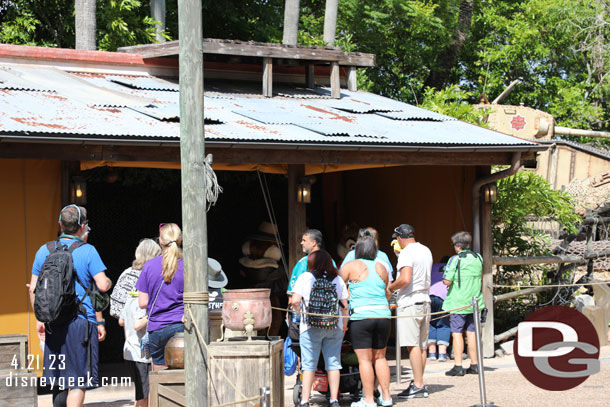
(413, 286)
(463, 274)
(71, 348)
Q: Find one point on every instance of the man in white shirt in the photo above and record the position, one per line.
(413, 286)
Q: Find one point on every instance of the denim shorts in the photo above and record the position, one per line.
(159, 338)
(328, 341)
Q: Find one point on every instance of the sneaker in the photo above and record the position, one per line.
(455, 371)
(384, 403)
(413, 392)
(442, 357)
(473, 369)
(362, 403)
(334, 403)
(432, 356)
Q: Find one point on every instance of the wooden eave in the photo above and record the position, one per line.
(279, 154)
(308, 54)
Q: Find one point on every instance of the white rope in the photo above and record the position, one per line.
(212, 189)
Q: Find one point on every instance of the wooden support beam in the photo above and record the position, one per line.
(194, 223)
(335, 81)
(505, 335)
(169, 152)
(352, 82)
(258, 49)
(296, 215)
(268, 77)
(521, 293)
(310, 76)
(517, 261)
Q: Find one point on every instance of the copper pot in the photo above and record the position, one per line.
(246, 309)
(174, 351)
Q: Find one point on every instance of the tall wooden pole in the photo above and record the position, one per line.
(157, 12)
(330, 21)
(192, 154)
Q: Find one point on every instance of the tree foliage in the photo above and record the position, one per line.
(521, 198)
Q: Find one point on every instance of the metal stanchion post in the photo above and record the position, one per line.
(477, 333)
(265, 396)
(398, 352)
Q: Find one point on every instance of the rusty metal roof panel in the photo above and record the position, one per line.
(11, 79)
(36, 112)
(145, 83)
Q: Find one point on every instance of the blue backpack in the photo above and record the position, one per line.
(290, 358)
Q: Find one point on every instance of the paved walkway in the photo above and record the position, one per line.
(505, 387)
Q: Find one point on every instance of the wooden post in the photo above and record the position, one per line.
(335, 81)
(296, 215)
(352, 82)
(487, 286)
(192, 154)
(268, 77)
(310, 76)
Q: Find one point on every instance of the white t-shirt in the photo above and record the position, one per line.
(303, 287)
(131, 313)
(419, 257)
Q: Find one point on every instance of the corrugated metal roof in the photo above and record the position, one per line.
(65, 104)
(145, 83)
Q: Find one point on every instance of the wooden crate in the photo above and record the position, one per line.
(249, 366)
(18, 388)
(12, 346)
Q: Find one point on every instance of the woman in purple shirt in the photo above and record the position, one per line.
(161, 288)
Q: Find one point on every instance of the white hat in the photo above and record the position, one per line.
(216, 277)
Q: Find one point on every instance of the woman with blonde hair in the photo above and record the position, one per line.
(160, 291)
(146, 250)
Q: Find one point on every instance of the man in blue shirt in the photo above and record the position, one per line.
(310, 242)
(71, 349)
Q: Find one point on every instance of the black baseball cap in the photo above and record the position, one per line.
(405, 231)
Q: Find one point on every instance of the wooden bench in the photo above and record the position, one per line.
(17, 384)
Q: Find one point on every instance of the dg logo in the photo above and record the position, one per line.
(556, 348)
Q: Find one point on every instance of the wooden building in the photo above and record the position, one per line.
(377, 162)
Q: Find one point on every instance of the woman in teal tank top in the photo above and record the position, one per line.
(369, 321)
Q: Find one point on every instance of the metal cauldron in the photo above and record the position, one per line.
(174, 351)
(246, 310)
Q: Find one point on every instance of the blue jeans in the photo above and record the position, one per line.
(440, 331)
(328, 341)
(159, 338)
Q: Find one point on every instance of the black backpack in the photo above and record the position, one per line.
(55, 300)
(323, 300)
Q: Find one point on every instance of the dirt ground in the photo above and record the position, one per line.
(505, 386)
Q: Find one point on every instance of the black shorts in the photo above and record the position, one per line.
(370, 333)
(139, 376)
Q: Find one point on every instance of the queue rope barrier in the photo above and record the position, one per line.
(390, 317)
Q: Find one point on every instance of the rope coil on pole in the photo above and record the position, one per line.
(198, 298)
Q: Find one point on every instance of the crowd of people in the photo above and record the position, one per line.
(365, 280)
(148, 303)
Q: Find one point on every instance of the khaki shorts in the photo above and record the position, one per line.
(413, 331)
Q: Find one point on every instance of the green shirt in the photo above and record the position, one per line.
(468, 284)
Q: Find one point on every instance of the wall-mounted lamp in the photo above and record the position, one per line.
(490, 193)
(304, 191)
(78, 191)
